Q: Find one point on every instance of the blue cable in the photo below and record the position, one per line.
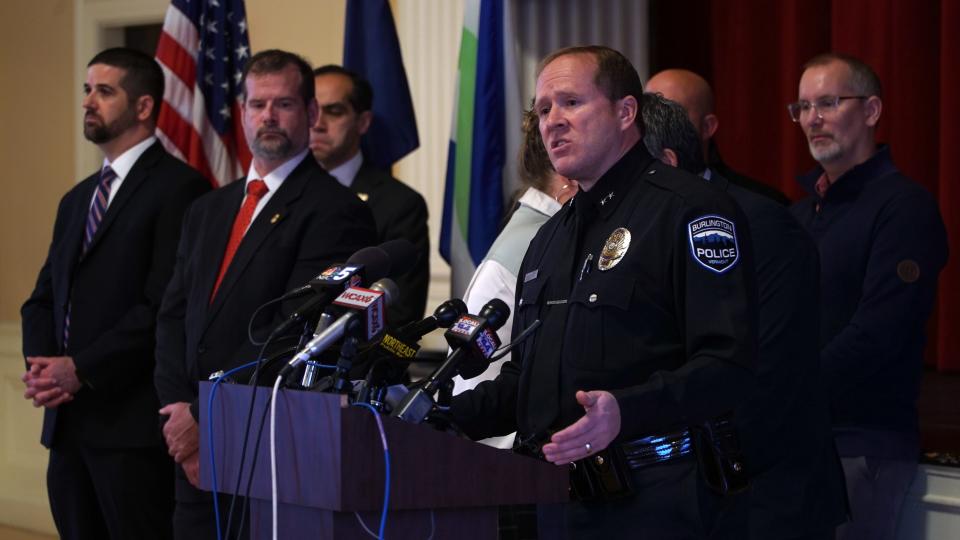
(213, 463)
(386, 459)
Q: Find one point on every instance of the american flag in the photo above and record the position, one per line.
(202, 50)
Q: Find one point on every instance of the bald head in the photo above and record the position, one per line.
(694, 93)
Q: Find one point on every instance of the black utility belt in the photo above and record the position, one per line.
(606, 475)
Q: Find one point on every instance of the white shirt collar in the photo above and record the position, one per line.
(540, 201)
(276, 177)
(125, 161)
(347, 171)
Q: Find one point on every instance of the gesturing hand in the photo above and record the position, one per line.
(591, 433)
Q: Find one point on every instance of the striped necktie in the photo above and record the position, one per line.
(99, 206)
(94, 217)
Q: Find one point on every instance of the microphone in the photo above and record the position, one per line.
(365, 311)
(474, 340)
(402, 343)
(368, 264)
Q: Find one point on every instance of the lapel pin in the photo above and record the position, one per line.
(274, 219)
(363, 196)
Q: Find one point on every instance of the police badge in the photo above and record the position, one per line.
(614, 249)
(713, 243)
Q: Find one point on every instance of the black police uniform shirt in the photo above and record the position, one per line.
(645, 288)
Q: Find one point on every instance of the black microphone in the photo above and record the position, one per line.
(402, 343)
(365, 315)
(474, 340)
(367, 265)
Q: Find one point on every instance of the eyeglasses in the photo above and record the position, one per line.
(825, 106)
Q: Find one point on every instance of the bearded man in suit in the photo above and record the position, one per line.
(242, 246)
(88, 327)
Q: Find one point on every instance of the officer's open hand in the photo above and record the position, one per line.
(591, 433)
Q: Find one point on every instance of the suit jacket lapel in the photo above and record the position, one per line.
(272, 214)
(219, 224)
(66, 260)
(137, 175)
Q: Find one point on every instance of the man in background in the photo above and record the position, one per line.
(345, 102)
(882, 244)
(244, 245)
(88, 326)
(695, 95)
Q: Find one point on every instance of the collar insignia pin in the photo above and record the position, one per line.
(274, 219)
(363, 196)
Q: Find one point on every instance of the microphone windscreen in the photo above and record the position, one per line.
(496, 312)
(448, 312)
(402, 254)
(376, 262)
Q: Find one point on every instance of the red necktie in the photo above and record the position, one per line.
(256, 189)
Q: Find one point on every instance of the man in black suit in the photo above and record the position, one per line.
(797, 488)
(242, 246)
(345, 101)
(693, 92)
(88, 327)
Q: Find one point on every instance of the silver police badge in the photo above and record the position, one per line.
(614, 249)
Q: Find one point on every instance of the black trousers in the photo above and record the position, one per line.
(670, 502)
(194, 517)
(99, 493)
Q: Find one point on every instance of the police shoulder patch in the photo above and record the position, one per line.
(713, 243)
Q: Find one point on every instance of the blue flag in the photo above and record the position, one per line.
(371, 48)
(473, 198)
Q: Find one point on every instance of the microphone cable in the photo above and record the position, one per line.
(386, 487)
(213, 461)
(253, 317)
(527, 332)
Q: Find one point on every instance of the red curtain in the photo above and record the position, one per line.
(757, 48)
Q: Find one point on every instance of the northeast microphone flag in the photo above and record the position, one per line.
(371, 48)
(202, 50)
(483, 139)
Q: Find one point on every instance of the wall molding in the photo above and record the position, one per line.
(23, 461)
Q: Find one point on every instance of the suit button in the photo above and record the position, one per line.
(593, 298)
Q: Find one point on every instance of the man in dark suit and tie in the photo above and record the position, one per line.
(345, 101)
(242, 246)
(88, 327)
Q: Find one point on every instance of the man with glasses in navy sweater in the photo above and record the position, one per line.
(882, 244)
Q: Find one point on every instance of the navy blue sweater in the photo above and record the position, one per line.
(882, 244)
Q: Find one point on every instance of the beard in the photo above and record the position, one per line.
(278, 147)
(825, 152)
(102, 132)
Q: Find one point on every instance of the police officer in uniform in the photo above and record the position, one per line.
(644, 285)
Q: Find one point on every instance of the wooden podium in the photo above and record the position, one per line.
(330, 466)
